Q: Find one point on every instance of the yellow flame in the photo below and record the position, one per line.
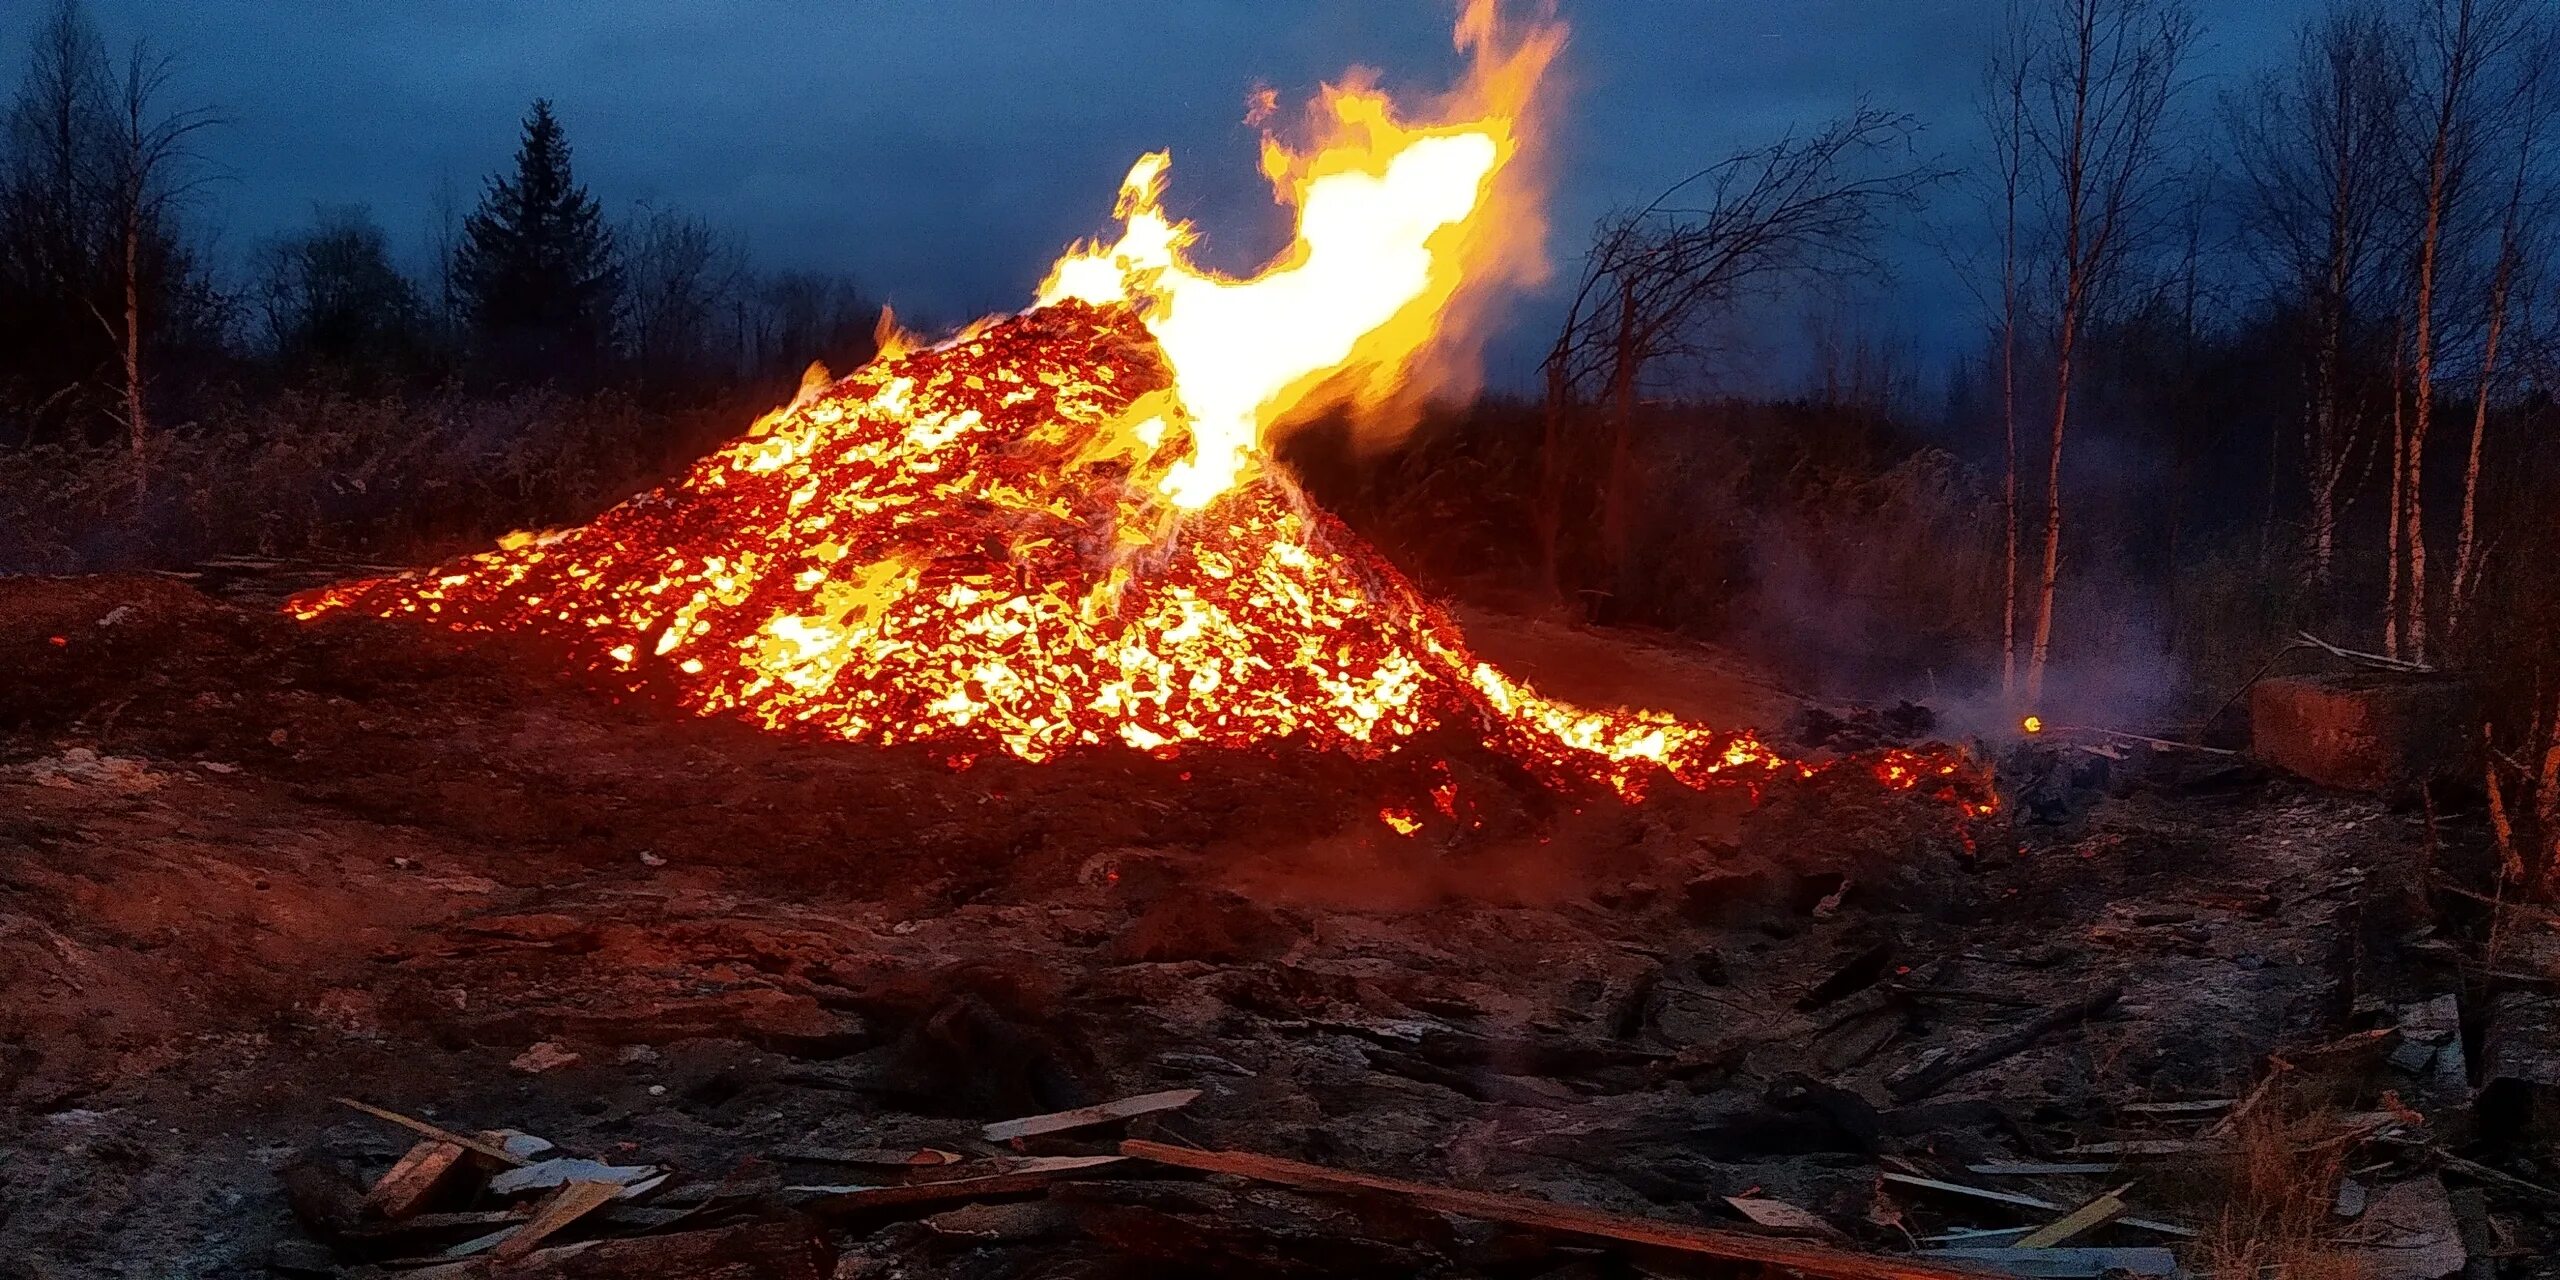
(1390, 220)
(2032, 724)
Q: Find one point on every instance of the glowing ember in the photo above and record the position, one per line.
(1056, 531)
(2032, 724)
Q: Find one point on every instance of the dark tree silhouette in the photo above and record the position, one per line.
(329, 295)
(535, 272)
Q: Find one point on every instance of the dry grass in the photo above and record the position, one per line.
(316, 471)
(2277, 1185)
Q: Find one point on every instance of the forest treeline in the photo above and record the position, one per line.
(311, 395)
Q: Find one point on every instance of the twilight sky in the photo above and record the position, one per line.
(943, 151)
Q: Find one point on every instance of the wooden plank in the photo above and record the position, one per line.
(413, 1180)
(563, 1170)
(878, 1157)
(2197, 1107)
(574, 1200)
(2040, 1168)
(2025, 1202)
(1086, 1117)
(2141, 1147)
(1020, 1178)
(2079, 1222)
(425, 1223)
(491, 1150)
(2068, 1264)
(1546, 1215)
(1778, 1215)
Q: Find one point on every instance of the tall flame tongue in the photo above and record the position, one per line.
(1057, 530)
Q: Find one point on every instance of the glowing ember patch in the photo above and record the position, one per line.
(1401, 821)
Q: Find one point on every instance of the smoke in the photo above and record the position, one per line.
(1890, 589)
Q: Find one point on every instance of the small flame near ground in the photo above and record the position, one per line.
(1059, 530)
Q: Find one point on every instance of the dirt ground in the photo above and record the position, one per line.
(247, 867)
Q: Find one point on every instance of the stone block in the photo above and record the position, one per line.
(2368, 730)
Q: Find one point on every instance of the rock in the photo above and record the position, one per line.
(2369, 730)
(2409, 1233)
(543, 1056)
(2430, 1050)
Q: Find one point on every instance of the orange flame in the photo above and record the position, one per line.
(1390, 221)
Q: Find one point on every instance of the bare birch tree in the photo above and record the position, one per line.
(2107, 72)
(2525, 115)
(150, 168)
(2314, 148)
(2459, 43)
(2005, 111)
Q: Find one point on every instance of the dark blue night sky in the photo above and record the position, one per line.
(943, 151)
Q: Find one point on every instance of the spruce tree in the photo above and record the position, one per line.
(535, 271)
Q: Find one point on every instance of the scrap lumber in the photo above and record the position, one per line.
(1020, 1177)
(2024, 1201)
(2197, 1107)
(563, 1170)
(2068, 1264)
(1931, 1078)
(1525, 1211)
(2039, 1168)
(2277, 1068)
(2140, 1148)
(1086, 1117)
(428, 1223)
(489, 1149)
(878, 1157)
(2081, 1221)
(574, 1200)
(788, 1249)
(1778, 1215)
(413, 1180)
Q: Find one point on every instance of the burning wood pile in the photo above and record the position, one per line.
(1059, 530)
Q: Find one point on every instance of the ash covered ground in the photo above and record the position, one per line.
(248, 866)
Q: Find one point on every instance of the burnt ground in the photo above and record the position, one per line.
(247, 866)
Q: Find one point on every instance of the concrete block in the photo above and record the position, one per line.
(2368, 730)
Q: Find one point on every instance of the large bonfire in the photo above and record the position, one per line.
(1059, 529)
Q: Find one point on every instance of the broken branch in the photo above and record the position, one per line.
(1930, 1079)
